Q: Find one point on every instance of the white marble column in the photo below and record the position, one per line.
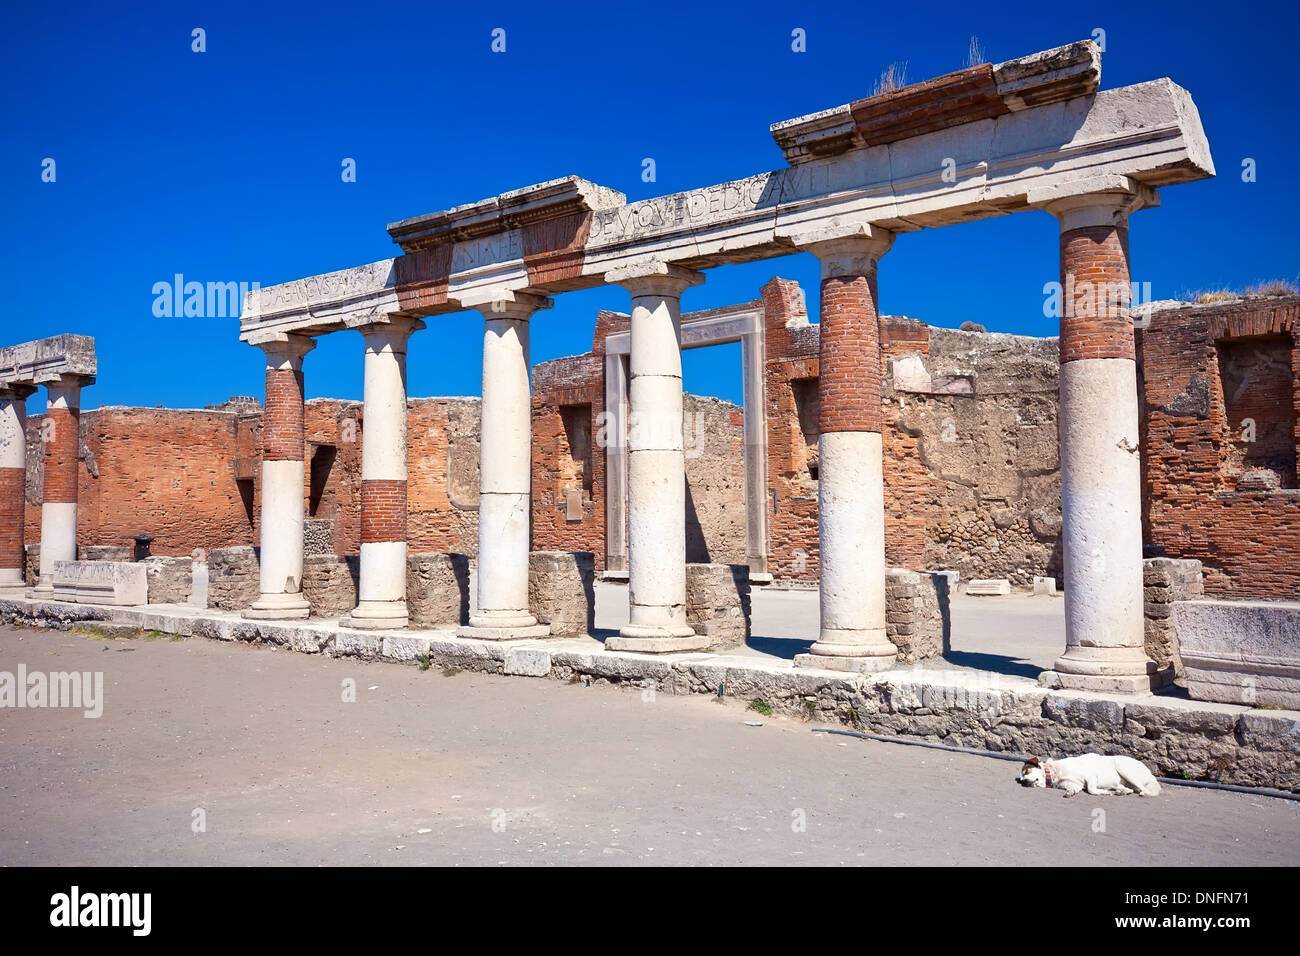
(61, 437)
(13, 487)
(850, 487)
(505, 472)
(1101, 492)
(656, 514)
(382, 589)
(283, 479)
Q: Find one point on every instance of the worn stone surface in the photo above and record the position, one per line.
(1244, 652)
(561, 591)
(329, 583)
(1177, 738)
(171, 580)
(917, 616)
(717, 603)
(105, 552)
(317, 536)
(101, 582)
(1221, 390)
(233, 583)
(1164, 581)
(437, 590)
(988, 587)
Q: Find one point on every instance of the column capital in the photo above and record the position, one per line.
(844, 250)
(389, 335)
(654, 277)
(284, 350)
(505, 304)
(19, 391)
(1098, 201)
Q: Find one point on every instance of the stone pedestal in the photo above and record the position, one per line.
(13, 487)
(505, 473)
(561, 591)
(283, 475)
(850, 490)
(60, 434)
(656, 513)
(1101, 495)
(381, 590)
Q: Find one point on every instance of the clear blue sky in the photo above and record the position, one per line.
(225, 165)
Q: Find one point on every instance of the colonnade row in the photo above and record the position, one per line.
(60, 438)
(1099, 463)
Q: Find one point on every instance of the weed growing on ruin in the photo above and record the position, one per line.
(759, 705)
(425, 660)
(450, 670)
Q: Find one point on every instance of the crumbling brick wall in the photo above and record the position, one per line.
(1219, 421)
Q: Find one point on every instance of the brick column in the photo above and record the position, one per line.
(61, 436)
(1101, 497)
(283, 475)
(505, 473)
(381, 592)
(13, 486)
(850, 487)
(656, 513)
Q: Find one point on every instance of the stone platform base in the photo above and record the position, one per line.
(849, 665)
(667, 644)
(1195, 740)
(531, 633)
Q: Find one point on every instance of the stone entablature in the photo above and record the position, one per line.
(48, 360)
(569, 233)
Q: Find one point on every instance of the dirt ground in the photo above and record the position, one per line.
(260, 748)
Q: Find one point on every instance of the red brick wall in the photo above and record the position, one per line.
(1193, 452)
(162, 472)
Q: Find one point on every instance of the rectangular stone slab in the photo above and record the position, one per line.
(1240, 652)
(988, 587)
(117, 583)
(47, 360)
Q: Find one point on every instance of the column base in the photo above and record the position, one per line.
(657, 639)
(278, 607)
(866, 651)
(378, 616)
(504, 626)
(1124, 670)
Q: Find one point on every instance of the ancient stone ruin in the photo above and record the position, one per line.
(878, 457)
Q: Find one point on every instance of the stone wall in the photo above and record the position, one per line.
(1165, 581)
(718, 603)
(972, 469)
(233, 582)
(170, 580)
(1220, 417)
(561, 591)
(329, 583)
(917, 616)
(437, 590)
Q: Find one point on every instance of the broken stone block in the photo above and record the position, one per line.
(119, 583)
(437, 590)
(561, 591)
(988, 587)
(170, 579)
(329, 583)
(1241, 652)
(718, 603)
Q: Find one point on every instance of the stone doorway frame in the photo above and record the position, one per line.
(743, 324)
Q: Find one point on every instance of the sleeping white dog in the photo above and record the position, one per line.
(1092, 773)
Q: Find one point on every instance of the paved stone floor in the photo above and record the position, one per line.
(470, 768)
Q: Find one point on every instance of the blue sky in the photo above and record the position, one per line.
(225, 165)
